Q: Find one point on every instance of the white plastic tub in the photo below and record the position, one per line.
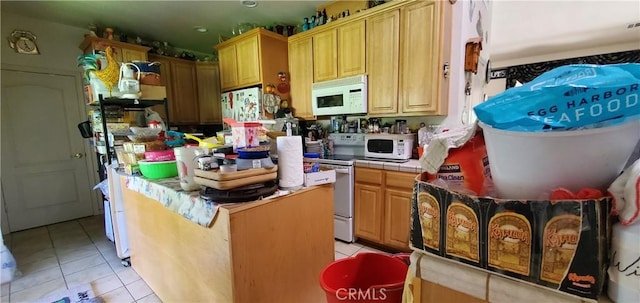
(529, 165)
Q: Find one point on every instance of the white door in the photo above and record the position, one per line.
(44, 168)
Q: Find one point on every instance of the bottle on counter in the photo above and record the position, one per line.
(344, 128)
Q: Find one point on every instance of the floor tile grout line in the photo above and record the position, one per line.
(105, 259)
(55, 251)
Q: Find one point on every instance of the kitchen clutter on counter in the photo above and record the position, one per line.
(243, 169)
(527, 191)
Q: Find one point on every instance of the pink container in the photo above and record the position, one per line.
(245, 134)
(159, 155)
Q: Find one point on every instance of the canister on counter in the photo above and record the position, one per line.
(311, 163)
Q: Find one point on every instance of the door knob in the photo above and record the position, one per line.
(77, 155)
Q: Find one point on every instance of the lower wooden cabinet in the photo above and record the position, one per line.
(383, 206)
(369, 211)
(397, 217)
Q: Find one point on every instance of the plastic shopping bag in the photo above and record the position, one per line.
(567, 97)
(8, 266)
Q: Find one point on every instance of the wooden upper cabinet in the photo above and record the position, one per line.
(179, 77)
(420, 49)
(339, 52)
(351, 49)
(209, 103)
(248, 60)
(124, 52)
(325, 55)
(184, 88)
(129, 55)
(383, 47)
(165, 80)
(253, 58)
(228, 66)
(300, 68)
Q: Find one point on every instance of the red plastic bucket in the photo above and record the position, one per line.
(365, 278)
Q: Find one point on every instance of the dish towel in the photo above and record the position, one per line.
(626, 194)
(438, 148)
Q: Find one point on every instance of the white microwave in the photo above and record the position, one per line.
(343, 96)
(389, 146)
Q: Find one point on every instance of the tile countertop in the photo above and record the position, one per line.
(412, 166)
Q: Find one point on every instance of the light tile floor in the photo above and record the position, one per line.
(61, 256)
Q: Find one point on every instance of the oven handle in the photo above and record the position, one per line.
(342, 170)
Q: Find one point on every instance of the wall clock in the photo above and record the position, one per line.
(23, 42)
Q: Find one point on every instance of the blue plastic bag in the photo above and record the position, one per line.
(567, 97)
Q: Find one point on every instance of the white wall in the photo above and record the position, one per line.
(466, 15)
(495, 87)
(58, 45)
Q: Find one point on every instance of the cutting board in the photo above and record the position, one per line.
(216, 175)
(231, 184)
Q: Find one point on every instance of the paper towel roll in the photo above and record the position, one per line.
(290, 168)
(624, 271)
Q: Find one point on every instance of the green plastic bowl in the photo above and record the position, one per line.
(158, 170)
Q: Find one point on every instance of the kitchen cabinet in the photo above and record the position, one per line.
(351, 49)
(339, 52)
(300, 59)
(179, 76)
(368, 212)
(383, 53)
(263, 251)
(397, 220)
(398, 42)
(229, 67)
(208, 82)
(421, 35)
(402, 46)
(383, 206)
(193, 90)
(124, 52)
(253, 58)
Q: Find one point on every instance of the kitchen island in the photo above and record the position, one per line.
(263, 251)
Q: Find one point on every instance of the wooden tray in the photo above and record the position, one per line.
(218, 176)
(231, 184)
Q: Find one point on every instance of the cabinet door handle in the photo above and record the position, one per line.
(77, 155)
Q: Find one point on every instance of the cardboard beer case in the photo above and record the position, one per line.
(562, 245)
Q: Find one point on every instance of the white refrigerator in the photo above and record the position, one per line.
(242, 105)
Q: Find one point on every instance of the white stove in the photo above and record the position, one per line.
(347, 148)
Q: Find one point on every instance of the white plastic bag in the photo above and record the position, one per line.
(8, 264)
(103, 186)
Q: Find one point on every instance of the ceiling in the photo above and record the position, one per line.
(520, 28)
(171, 21)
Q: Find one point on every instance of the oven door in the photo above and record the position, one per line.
(343, 191)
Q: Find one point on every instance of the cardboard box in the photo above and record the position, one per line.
(152, 92)
(132, 169)
(321, 177)
(141, 147)
(562, 245)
